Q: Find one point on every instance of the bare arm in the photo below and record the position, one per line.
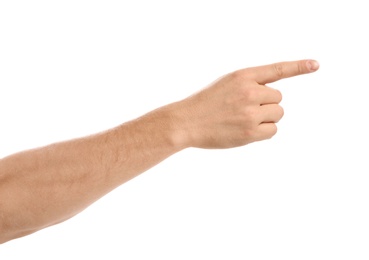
(48, 185)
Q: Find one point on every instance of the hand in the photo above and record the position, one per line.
(238, 108)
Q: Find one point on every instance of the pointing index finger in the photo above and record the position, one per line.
(273, 72)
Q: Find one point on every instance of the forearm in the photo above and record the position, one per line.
(45, 186)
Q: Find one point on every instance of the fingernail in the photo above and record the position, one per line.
(312, 65)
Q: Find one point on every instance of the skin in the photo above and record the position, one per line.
(48, 185)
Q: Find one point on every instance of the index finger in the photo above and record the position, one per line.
(273, 72)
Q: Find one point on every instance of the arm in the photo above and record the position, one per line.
(48, 185)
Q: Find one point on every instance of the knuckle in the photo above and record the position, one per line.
(278, 113)
(250, 116)
(250, 94)
(278, 96)
(241, 75)
(237, 75)
(300, 68)
(249, 134)
(273, 130)
(279, 70)
(281, 111)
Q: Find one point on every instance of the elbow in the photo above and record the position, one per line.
(7, 234)
(8, 229)
(3, 233)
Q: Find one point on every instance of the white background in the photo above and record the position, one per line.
(73, 68)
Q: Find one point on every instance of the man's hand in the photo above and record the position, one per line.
(238, 108)
(45, 186)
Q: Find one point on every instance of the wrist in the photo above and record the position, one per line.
(173, 120)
